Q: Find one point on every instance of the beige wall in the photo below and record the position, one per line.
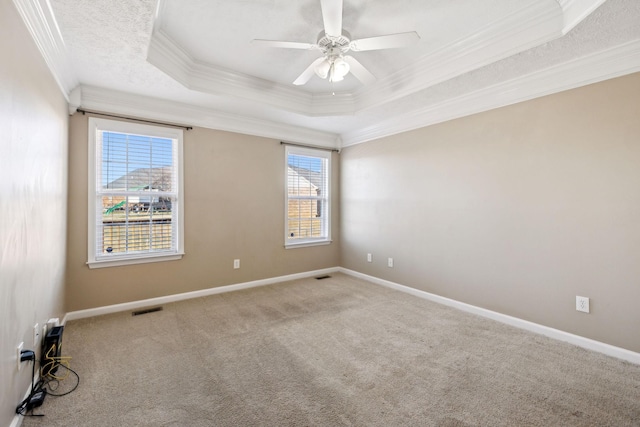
(33, 183)
(234, 208)
(516, 210)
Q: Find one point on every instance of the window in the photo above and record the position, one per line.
(308, 195)
(135, 193)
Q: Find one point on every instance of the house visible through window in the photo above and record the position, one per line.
(135, 209)
(307, 205)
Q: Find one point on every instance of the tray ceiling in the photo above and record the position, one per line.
(193, 61)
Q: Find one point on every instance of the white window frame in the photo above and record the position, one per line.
(94, 169)
(326, 199)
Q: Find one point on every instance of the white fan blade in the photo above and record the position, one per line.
(384, 42)
(332, 17)
(286, 45)
(358, 70)
(308, 73)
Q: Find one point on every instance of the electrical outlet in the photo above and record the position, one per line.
(390, 262)
(582, 304)
(20, 347)
(36, 335)
(236, 264)
(369, 258)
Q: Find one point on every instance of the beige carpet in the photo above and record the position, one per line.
(333, 352)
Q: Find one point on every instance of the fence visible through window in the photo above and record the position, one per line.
(307, 196)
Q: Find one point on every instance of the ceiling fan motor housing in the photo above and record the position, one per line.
(330, 45)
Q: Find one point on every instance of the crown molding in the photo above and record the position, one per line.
(607, 64)
(173, 60)
(112, 102)
(529, 27)
(514, 33)
(75, 99)
(574, 11)
(538, 23)
(41, 23)
(169, 57)
(615, 62)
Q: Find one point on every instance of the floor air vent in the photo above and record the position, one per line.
(323, 277)
(145, 311)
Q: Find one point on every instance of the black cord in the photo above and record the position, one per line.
(45, 386)
(50, 389)
(33, 373)
(22, 407)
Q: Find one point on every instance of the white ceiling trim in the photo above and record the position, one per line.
(575, 11)
(112, 102)
(615, 62)
(41, 23)
(529, 27)
(514, 33)
(497, 40)
(173, 60)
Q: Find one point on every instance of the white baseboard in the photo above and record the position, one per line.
(17, 418)
(557, 334)
(91, 312)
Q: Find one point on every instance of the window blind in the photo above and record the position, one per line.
(136, 194)
(307, 196)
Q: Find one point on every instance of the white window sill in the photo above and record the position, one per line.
(307, 243)
(117, 262)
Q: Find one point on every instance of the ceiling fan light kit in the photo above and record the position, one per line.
(334, 67)
(339, 69)
(334, 42)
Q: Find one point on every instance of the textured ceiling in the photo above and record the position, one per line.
(198, 53)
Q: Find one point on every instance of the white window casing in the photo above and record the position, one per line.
(307, 197)
(135, 207)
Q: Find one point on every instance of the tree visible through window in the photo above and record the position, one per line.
(136, 206)
(308, 214)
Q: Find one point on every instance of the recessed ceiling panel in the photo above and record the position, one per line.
(219, 32)
(193, 61)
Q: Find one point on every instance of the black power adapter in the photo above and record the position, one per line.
(36, 399)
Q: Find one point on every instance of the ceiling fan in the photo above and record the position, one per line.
(334, 43)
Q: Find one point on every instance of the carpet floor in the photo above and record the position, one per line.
(333, 352)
